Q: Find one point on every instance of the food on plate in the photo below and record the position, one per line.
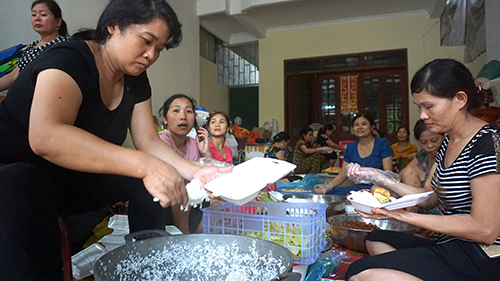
(365, 197)
(333, 170)
(382, 194)
(354, 224)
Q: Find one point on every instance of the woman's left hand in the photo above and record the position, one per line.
(203, 142)
(383, 214)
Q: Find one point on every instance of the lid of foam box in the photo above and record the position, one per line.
(247, 179)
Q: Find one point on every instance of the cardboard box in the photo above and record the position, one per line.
(262, 132)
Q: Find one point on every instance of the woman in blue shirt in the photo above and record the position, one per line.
(367, 151)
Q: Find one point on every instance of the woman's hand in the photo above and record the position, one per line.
(163, 182)
(322, 188)
(360, 174)
(203, 142)
(208, 173)
(383, 214)
(325, 150)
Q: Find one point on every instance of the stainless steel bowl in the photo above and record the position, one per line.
(336, 203)
(354, 239)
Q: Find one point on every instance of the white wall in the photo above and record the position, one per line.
(492, 8)
(213, 96)
(176, 71)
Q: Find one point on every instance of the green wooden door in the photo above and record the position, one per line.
(244, 102)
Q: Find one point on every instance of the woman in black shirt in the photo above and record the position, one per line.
(61, 130)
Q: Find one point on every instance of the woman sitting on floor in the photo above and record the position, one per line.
(307, 156)
(417, 171)
(403, 150)
(367, 151)
(324, 140)
(277, 150)
(465, 180)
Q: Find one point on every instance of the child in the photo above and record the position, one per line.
(218, 125)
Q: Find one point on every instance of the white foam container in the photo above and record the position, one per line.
(403, 202)
(247, 179)
(83, 261)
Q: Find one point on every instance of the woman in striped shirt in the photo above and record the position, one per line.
(466, 184)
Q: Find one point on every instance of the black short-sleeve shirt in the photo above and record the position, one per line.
(75, 58)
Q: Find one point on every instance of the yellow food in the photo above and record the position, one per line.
(382, 194)
(295, 190)
(333, 169)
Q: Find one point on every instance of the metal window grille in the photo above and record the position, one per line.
(234, 70)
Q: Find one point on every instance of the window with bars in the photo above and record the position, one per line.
(378, 82)
(233, 70)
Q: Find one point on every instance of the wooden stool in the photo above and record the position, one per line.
(65, 248)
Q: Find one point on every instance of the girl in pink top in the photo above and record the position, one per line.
(179, 116)
(218, 126)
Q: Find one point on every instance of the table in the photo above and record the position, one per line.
(255, 150)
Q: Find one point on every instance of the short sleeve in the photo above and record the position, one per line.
(385, 148)
(413, 148)
(70, 58)
(349, 150)
(485, 155)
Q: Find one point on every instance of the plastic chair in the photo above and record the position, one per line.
(343, 144)
(315, 127)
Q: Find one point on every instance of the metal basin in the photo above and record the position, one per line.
(354, 239)
(336, 203)
(196, 257)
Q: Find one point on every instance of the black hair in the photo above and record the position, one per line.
(444, 78)
(229, 123)
(325, 128)
(166, 105)
(56, 11)
(281, 136)
(365, 115)
(380, 132)
(305, 131)
(419, 128)
(124, 13)
(403, 127)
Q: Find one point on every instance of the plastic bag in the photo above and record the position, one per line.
(310, 180)
(272, 126)
(207, 161)
(334, 257)
(315, 272)
(367, 175)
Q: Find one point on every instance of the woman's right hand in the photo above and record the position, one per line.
(359, 174)
(163, 182)
(322, 188)
(325, 150)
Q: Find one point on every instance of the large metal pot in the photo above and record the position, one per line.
(354, 239)
(197, 257)
(336, 203)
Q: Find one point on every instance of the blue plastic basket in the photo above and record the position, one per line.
(300, 227)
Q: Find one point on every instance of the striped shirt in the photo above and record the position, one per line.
(452, 184)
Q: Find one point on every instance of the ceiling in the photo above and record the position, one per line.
(243, 21)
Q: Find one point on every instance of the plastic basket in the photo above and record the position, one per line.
(300, 227)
